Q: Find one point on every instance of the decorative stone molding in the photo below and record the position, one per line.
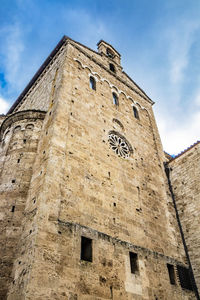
(112, 86)
(95, 234)
(119, 144)
(118, 123)
(18, 116)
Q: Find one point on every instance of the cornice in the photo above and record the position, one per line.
(115, 89)
(141, 94)
(20, 115)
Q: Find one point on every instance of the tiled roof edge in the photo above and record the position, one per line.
(184, 151)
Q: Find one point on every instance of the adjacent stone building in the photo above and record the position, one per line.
(185, 179)
(87, 211)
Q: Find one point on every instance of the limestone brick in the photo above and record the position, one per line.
(185, 178)
(2, 117)
(75, 185)
(19, 137)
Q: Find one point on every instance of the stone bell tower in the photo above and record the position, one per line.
(97, 220)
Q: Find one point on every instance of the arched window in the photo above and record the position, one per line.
(6, 136)
(110, 53)
(135, 112)
(17, 128)
(92, 83)
(112, 67)
(115, 99)
(30, 126)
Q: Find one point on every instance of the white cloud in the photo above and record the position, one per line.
(197, 97)
(4, 106)
(177, 136)
(177, 95)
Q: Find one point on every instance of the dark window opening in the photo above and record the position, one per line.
(110, 53)
(119, 123)
(17, 128)
(112, 67)
(115, 99)
(13, 208)
(184, 277)
(30, 126)
(171, 273)
(92, 83)
(86, 249)
(133, 262)
(111, 292)
(135, 112)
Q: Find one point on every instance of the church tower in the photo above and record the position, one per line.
(84, 189)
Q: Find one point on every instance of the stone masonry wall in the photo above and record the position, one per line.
(19, 136)
(104, 61)
(2, 117)
(80, 187)
(41, 93)
(185, 178)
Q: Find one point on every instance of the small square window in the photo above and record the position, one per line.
(86, 249)
(184, 277)
(133, 262)
(112, 68)
(171, 273)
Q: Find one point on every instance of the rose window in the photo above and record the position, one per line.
(119, 145)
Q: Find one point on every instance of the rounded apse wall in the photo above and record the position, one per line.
(19, 136)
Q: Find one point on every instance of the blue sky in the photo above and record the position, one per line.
(159, 42)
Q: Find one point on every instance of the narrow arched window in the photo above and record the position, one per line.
(92, 83)
(6, 136)
(110, 53)
(112, 67)
(135, 112)
(17, 128)
(30, 126)
(115, 99)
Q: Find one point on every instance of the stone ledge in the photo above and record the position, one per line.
(129, 246)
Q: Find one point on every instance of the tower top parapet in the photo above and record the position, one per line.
(106, 49)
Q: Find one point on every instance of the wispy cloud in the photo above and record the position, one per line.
(86, 28)
(180, 39)
(159, 43)
(175, 85)
(196, 96)
(12, 51)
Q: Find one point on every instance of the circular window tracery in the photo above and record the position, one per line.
(119, 145)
